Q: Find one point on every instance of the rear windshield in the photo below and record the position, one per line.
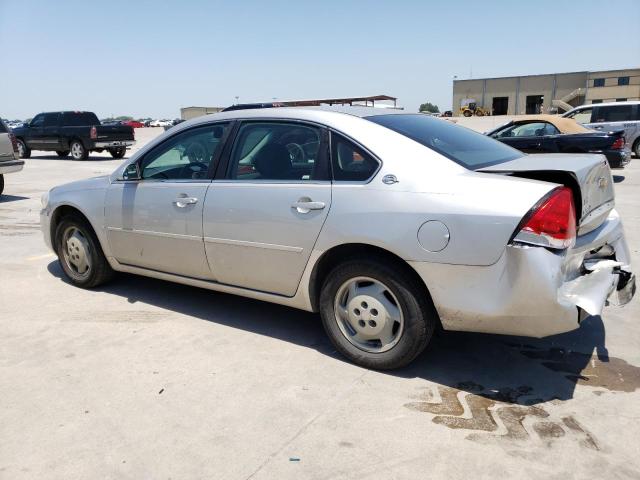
(79, 119)
(470, 149)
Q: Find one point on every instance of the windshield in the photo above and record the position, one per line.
(470, 149)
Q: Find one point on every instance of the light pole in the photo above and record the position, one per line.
(237, 97)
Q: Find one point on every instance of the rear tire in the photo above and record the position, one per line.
(63, 154)
(23, 150)
(1, 183)
(118, 152)
(78, 152)
(385, 298)
(80, 254)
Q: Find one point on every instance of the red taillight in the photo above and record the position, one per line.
(94, 133)
(14, 142)
(618, 144)
(553, 222)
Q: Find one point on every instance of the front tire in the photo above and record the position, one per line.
(78, 152)
(636, 148)
(23, 150)
(467, 113)
(118, 152)
(375, 314)
(80, 254)
(1, 183)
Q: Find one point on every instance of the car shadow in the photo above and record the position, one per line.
(516, 370)
(618, 178)
(4, 198)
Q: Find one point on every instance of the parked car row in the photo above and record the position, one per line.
(388, 224)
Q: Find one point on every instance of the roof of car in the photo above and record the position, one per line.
(605, 104)
(565, 125)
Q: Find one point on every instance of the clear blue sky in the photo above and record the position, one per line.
(149, 58)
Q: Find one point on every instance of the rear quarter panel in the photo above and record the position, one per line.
(480, 210)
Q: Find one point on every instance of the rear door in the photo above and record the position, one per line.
(265, 210)
(616, 117)
(156, 222)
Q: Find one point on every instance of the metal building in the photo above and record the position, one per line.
(556, 92)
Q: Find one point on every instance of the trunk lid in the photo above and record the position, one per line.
(588, 176)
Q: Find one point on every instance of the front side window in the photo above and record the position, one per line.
(51, 119)
(470, 149)
(185, 156)
(598, 82)
(38, 120)
(582, 116)
(349, 162)
(265, 151)
(532, 129)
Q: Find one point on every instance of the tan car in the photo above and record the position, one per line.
(9, 161)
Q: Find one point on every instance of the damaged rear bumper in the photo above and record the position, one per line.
(534, 291)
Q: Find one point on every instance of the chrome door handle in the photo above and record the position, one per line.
(305, 205)
(182, 202)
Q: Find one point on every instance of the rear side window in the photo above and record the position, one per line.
(79, 119)
(617, 113)
(470, 149)
(349, 162)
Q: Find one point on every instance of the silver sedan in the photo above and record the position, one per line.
(391, 225)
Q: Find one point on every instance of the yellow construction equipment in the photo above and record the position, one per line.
(473, 109)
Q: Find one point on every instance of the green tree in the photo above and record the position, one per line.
(124, 118)
(429, 107)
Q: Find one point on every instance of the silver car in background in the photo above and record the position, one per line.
(389, 224)
(611, 117)
(9, 159)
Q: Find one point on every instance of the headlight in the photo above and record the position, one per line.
(44, 199)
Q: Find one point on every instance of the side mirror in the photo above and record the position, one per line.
(132, 172)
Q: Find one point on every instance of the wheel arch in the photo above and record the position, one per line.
(62, 211)
(340, 253)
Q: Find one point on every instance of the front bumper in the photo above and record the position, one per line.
(11, 166)
(114, 144)
(533, 291)
(618, 158)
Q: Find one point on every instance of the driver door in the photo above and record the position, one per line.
(155, 221)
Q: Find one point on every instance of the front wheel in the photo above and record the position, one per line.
(23, 150)
(467, 113)
(78, 152)
(118, 152)
(375, 314)
(80, 254)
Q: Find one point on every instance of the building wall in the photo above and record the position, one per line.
(611, 90)
(550, 86)
(187, 113)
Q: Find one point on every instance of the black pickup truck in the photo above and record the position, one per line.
(77, 133)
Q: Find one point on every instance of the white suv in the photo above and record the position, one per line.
(612, 116)
(9, 161)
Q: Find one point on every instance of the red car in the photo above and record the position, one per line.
(133, 123)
